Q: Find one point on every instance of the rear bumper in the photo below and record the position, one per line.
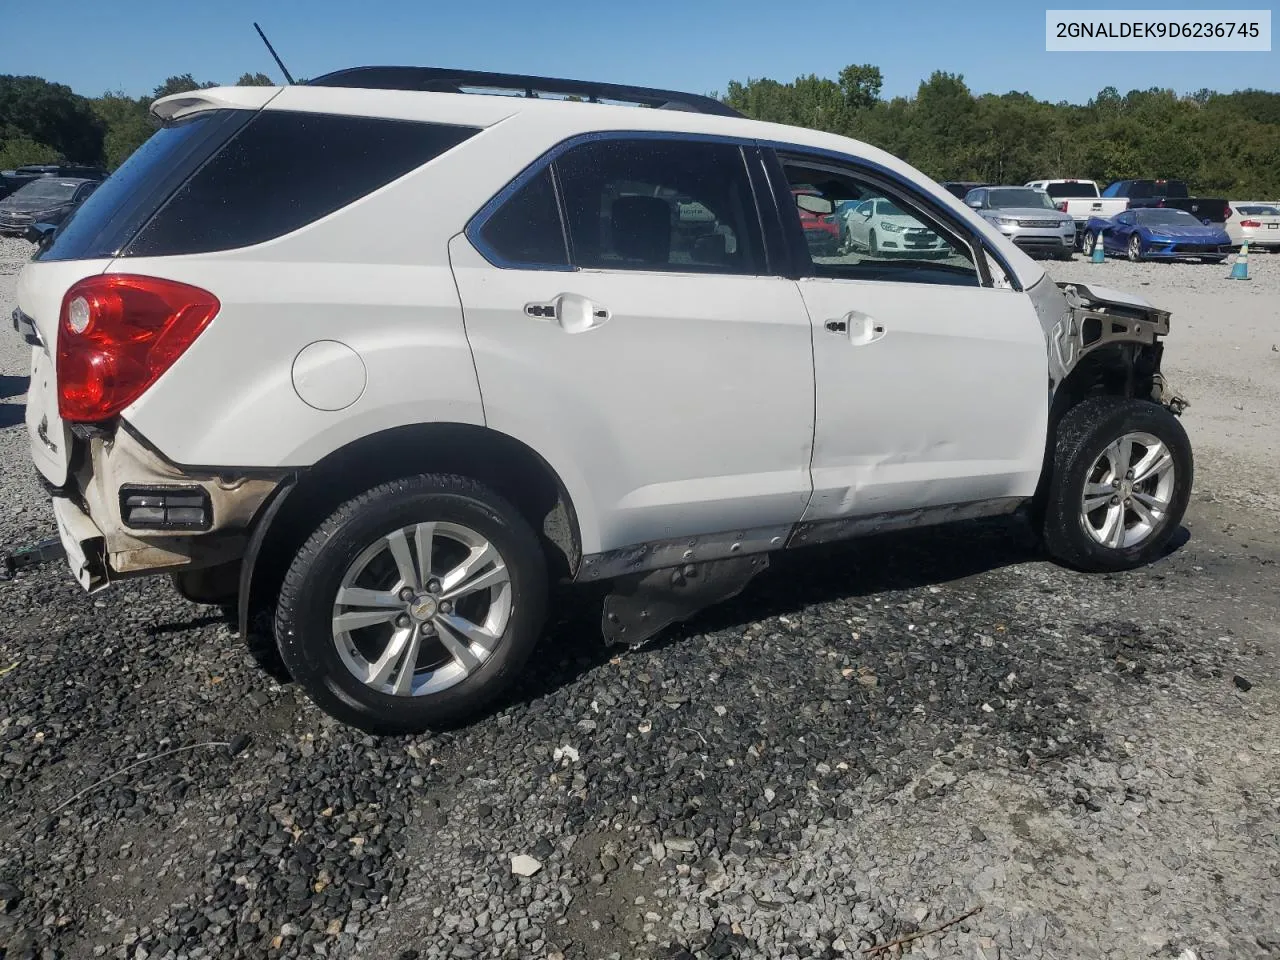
(103, 536)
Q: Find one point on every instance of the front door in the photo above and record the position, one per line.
(931, 388)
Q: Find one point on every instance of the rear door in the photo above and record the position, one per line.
(627, 325)
(930, 383)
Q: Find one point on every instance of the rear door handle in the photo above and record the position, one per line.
(573, 312)
(858, 327)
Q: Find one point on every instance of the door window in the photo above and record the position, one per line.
(634, 203)
(879, 233)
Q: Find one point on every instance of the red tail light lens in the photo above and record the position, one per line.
(1226, 213)
(1062, 206)
(117, 334)
(1250, 223)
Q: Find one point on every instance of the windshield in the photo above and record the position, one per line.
(1019, 197)
(45, 189)
(1066, 190)
(1167, 215)
(1259, 211)
(887, 208)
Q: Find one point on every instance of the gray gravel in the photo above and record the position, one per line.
(870, 742)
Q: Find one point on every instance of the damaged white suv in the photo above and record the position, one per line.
(381, 357)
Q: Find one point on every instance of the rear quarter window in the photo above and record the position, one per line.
(286, 169)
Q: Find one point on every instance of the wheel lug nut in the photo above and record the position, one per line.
(402, 620)
(1114, 501)
(406, 594)
(1115, 483)
(446, 606)
(433, 586)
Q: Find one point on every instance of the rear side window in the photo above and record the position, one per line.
(526, 231)
(284, 170)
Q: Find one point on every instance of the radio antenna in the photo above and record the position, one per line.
(279, 62)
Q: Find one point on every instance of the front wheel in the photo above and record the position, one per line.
(413, 606)
(1135, 248)
(1122, 476)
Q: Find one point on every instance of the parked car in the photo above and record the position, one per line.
(1169, 193)
(13, 180)
(818, 220)
(379, 391)
(959, 188)
(44, 200)
(880, 228)
(1157, 233)
(1257, 223)
(1080, 198)
(1027, 217)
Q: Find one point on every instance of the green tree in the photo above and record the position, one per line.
(181, 84)
(35, 111)
(255, 80)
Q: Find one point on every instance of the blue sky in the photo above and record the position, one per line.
(696, 45)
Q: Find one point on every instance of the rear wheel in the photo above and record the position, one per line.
(1121, 480)
(414, 605)
(1088, 241)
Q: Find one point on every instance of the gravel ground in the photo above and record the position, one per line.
(870, 742)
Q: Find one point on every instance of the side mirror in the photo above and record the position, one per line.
(976, 204)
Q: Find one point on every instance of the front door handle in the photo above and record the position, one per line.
(858, 327)
(573, 312)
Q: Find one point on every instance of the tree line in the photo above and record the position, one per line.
(1222, 144)
(43, 122)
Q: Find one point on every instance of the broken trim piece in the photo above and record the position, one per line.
(849, 528)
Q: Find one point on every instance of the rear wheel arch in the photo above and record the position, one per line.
(503, 463)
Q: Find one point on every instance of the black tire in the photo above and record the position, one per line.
(303, 625)
(873, 245)
(1082, 435)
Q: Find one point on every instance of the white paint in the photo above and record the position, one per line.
(328, 375)
(690, 411)
(947, 405)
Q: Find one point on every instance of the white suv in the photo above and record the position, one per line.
(380, 358)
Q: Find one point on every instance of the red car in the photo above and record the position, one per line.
(820, 229)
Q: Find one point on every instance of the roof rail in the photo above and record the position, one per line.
(443, 80)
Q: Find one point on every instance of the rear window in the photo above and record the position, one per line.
(114, 212)
(284, 170)
(1068, 191)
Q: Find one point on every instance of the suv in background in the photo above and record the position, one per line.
(1027, 217)
(1080, 198)
(378, 362)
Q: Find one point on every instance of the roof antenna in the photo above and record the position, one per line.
(279, 62)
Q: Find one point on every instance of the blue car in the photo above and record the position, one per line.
(1157, 233)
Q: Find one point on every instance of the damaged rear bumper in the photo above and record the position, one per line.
(113, 521)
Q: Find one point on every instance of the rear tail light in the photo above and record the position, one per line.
(1226, 213)
(117, 334)
(1062, 206)
(1250, 223)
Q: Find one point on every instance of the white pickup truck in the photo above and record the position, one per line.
(1082, 199)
